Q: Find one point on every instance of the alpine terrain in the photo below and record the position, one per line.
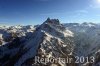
(50, 44)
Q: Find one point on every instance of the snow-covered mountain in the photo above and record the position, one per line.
(7, 33)
(20, 45)
(47, 38)
(86, 38)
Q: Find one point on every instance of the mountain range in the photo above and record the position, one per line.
(20, 45)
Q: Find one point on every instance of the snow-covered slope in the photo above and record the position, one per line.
(86, 38)
(49, 40)
(10, 32)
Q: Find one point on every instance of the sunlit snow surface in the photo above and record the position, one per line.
(49, 36)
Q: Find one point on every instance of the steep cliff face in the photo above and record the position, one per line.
(47, 40)
(53, 43)
(29, 46)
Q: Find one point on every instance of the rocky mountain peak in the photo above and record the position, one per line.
(53, 24)
(55, 28)
(49, 40)
(52, 21)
